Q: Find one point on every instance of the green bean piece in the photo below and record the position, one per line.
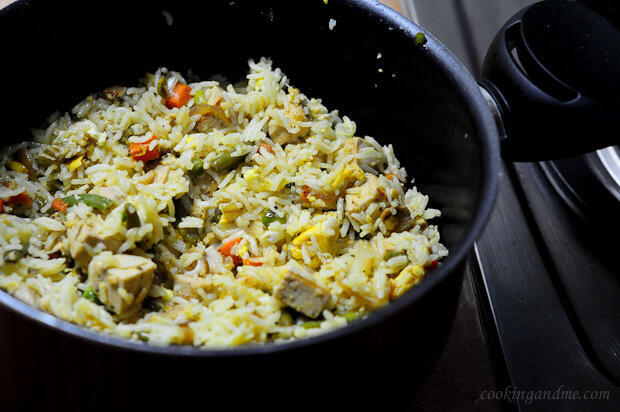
(89, 294)
(351, 316)
(197, 168)
(420, 39)
(225, 161)
(199, 97)
(313, 324)
(270, 216)
(94, 201)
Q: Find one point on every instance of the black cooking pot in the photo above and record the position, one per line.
(411, 93)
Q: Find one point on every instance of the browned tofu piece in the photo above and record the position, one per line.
(121, 282)
(83, 236)
(402, 221)
(359, 198)
(302, 295)
(318, 199)
(189, 286)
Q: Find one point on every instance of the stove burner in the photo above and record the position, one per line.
(589, 185)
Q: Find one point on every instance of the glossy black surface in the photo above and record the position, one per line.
(423, 102)
(553, 69)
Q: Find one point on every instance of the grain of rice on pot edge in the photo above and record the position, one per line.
(209, 214)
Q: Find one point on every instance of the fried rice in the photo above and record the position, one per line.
(209, 214)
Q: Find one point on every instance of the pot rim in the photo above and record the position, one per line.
(484, 124)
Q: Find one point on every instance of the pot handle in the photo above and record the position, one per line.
(553, 71)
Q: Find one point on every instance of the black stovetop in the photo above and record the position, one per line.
(539, 307)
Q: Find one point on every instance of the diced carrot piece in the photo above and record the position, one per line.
(266, 147)
(59, 205)
(390, 176)
(21, 199)
(305, 191)
(141, 151)
(1, 204)
(434, 264)
(179, 96)
(227, 247)
(252, 262)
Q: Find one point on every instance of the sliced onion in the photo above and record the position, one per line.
(207, 109)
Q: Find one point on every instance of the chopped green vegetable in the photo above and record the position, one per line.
(197, 168)
(95, 201)
(89, 294)
(351, 316)
(270, 216)
(225, 161)
(286, 319)
(189, 234)
(127, 133)
(149, 79)
(199, 97)
(130, 216)
(313, 324)
(142, 336)
(16, 254)
(217, 214)
(420, 39)
(392, 253)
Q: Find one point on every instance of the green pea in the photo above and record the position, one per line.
(197, 168)
(94, 201)
(420, 39)
(270, 216)
(225, 161)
